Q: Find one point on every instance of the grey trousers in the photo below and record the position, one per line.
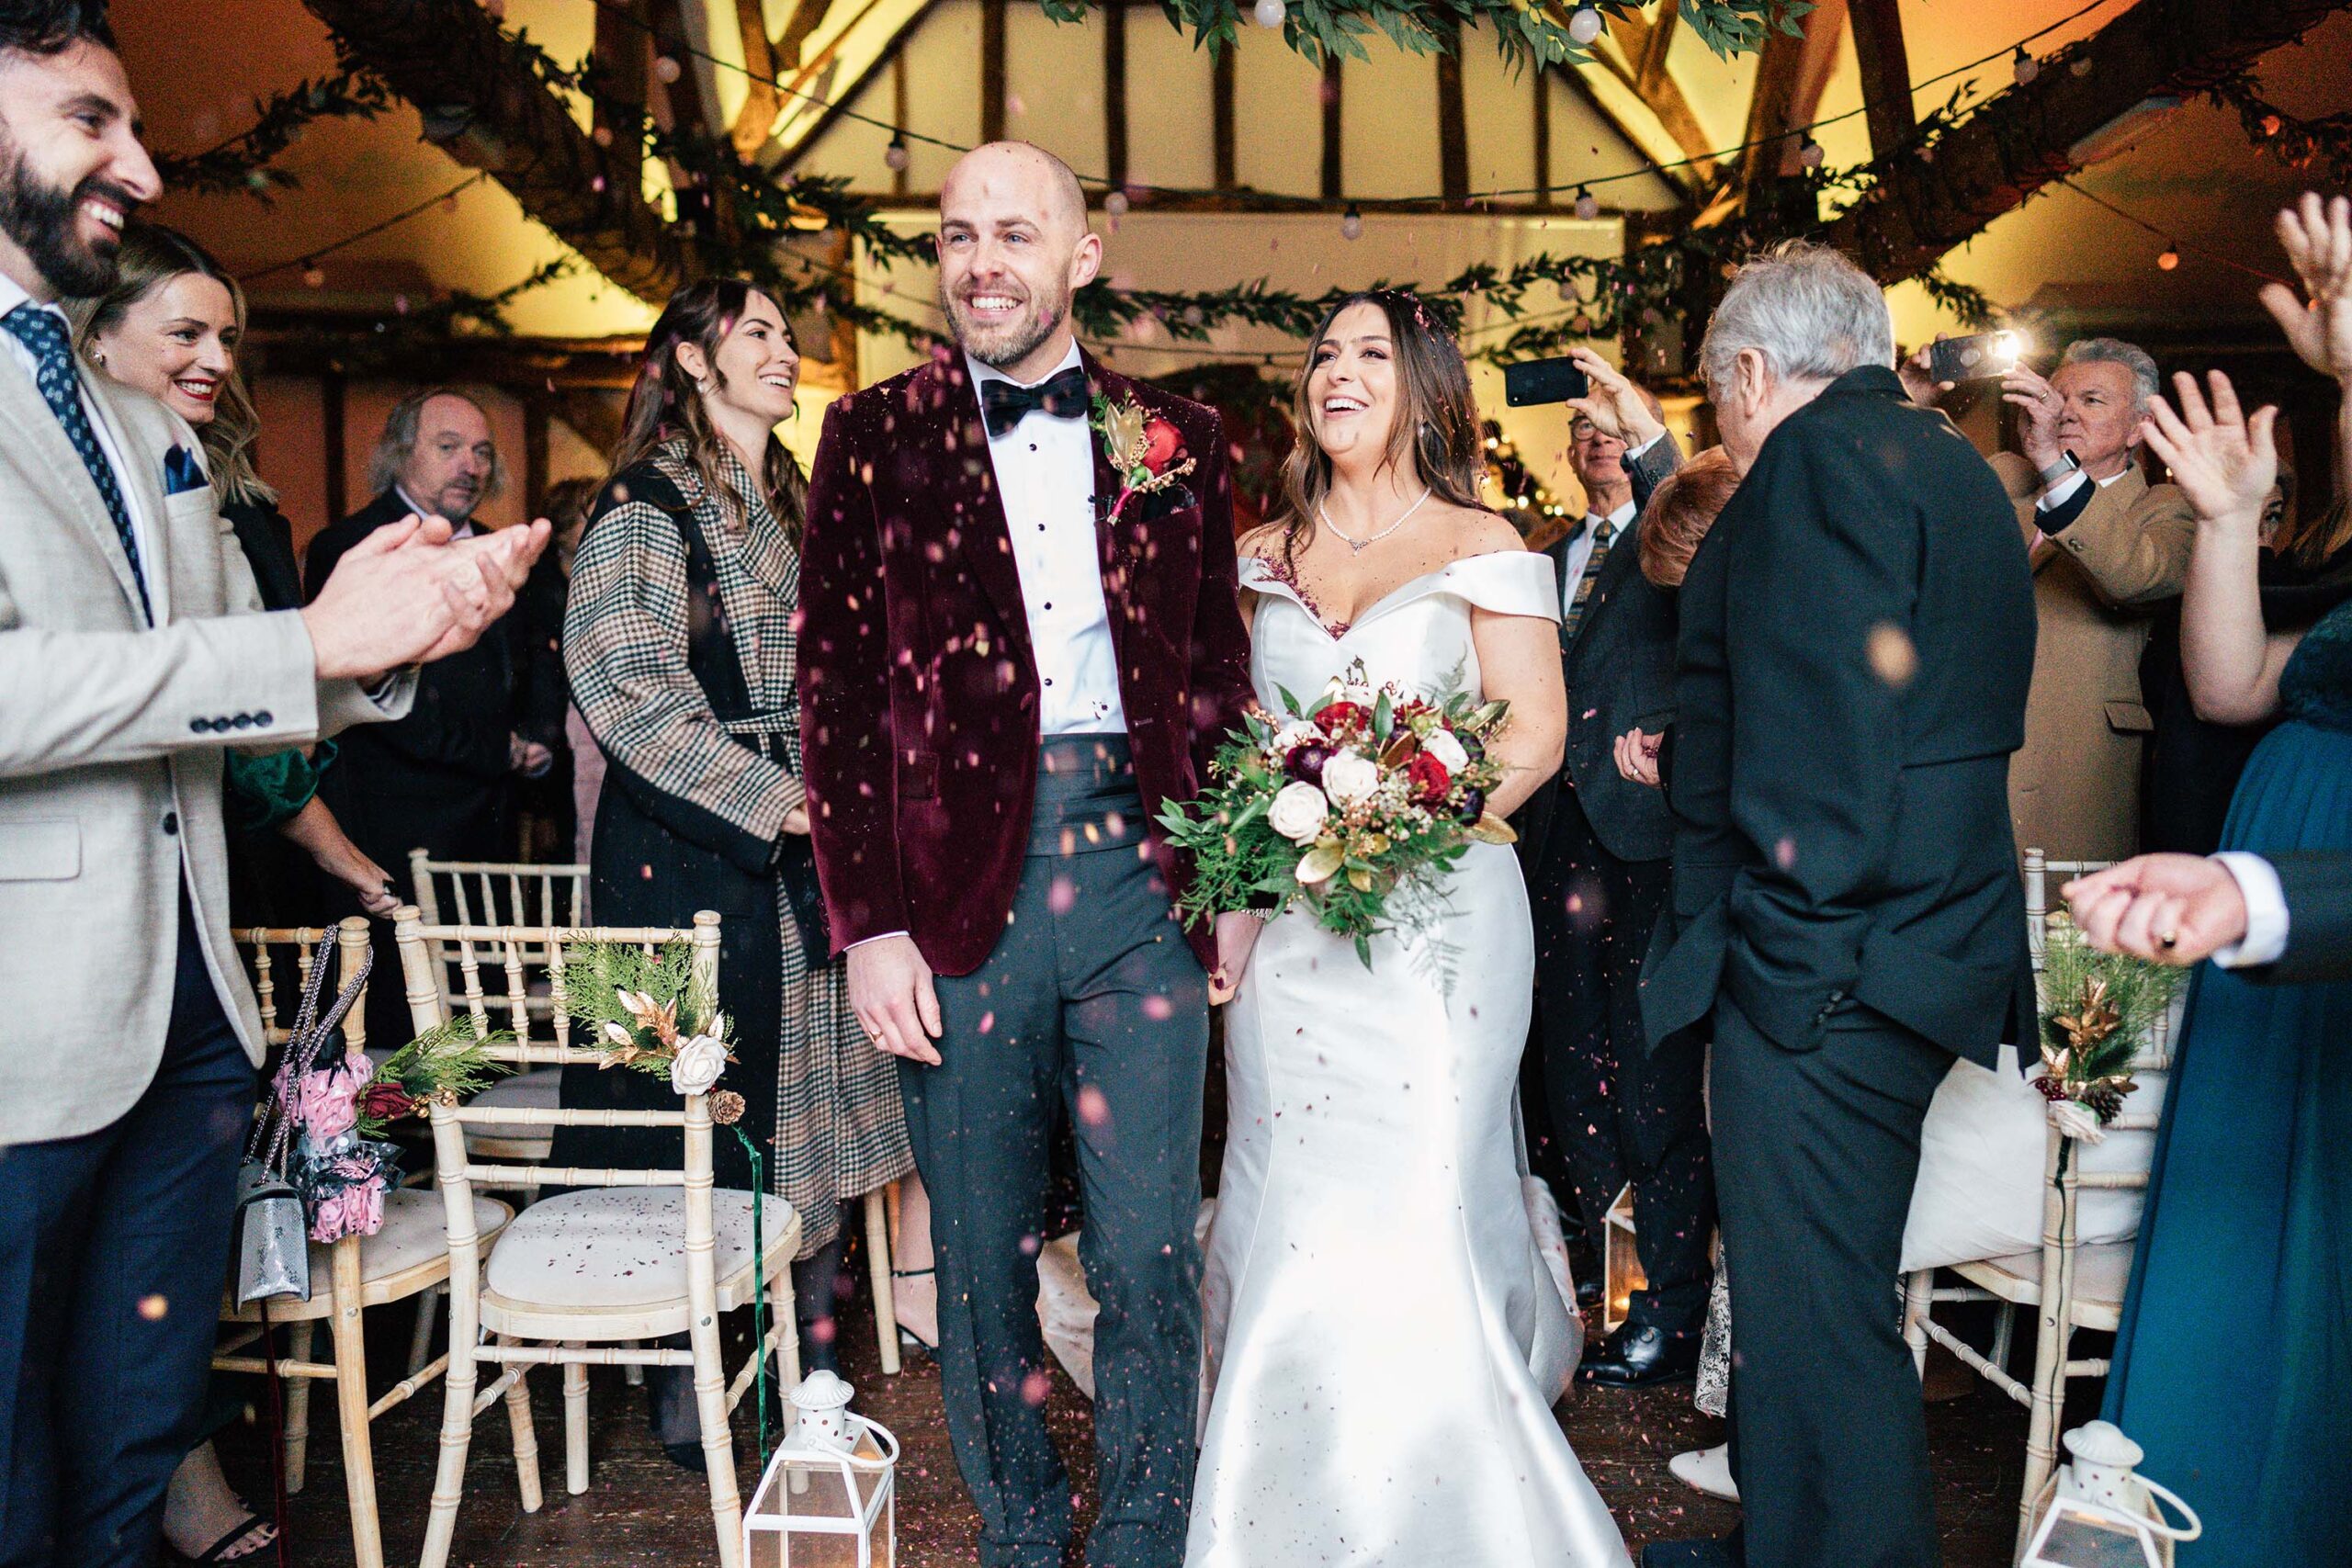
(1091, 1006)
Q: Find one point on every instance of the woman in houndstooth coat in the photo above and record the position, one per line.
(680, 644)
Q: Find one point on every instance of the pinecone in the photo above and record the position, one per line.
(2103, 1101)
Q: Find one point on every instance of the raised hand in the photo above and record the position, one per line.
(1918, 376)
(2317, 238)
(2225, 462)
(2038, 406)
(2173, 910)
(407, 594)
(1615, 405)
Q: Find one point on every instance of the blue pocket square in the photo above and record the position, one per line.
(182, 472)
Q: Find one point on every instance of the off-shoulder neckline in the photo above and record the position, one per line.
(1269, 580)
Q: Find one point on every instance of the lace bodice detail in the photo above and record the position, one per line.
(2316, 684)
(1417, 637)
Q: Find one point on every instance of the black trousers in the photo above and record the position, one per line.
(1818, 1151)
(113, 1246)
(1622, 1111)
(1091, 1007)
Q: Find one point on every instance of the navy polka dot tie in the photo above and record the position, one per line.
(41, 331)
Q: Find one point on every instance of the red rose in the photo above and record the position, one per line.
(1428, 777)
(385, 1102)
(1337, 718)
(1164, 443)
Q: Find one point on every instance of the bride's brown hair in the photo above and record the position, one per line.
(1435, 434)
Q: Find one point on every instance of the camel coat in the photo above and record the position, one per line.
(2075, 785)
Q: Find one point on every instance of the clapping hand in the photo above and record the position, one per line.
(2224, 462)
(1614, 405)
(2175, 909)
(409, 594)
(2317, 238)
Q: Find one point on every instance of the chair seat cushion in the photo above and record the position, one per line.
(625, 1247)
(2101, 1274)
(535, 1090)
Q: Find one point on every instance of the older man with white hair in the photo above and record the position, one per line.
(1855, 647)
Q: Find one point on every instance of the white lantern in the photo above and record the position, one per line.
(828, 1499)
(2095, 1512)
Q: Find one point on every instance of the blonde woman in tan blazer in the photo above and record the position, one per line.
(2106, 547)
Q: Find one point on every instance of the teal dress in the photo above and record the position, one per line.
(2234, 1365)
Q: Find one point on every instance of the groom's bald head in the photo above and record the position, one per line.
(1014, 247)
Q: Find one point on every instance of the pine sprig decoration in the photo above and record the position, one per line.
(446, 1064)
(2098, 1011)
(639, 1006)
(241, 162)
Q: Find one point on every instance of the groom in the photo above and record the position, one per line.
(1006, 670)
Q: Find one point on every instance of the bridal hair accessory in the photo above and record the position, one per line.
(1357, 805)
(2096, 1010)
(1143, 451)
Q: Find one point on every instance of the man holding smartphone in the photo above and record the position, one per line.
(2107, 548)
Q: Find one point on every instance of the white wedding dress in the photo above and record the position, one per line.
(1383, 1341)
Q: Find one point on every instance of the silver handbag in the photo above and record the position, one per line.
(273, 1227)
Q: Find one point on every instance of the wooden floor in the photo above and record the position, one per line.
(639, 1509)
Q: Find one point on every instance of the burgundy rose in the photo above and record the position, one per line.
(1474, 806)
(1306, 762)
(1337, 717)
(1165, 443)
(385, 1102)
(1428, 778)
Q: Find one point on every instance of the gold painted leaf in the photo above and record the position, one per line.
(1359, 879)
(1319, 864)
(1492, 830)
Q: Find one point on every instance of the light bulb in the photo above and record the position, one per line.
(1270, 13)
(895, 156)
(1588, 203)
(1115, 204)
(314, 277)
(1351, 225)
(667, 70)
(2025, 66)
(2168, 259)
(1810, 153)
(1584, 24)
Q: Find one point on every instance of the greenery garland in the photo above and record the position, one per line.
(243, 161)
(2295, 142)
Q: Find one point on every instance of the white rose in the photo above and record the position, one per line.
(1297, 732)
(2077, 1121)
(1440, 744)
(1350, 777)
(1297, 812)
(1359, 694)
(697, 1064)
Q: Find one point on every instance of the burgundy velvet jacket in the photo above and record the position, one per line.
(918, 692)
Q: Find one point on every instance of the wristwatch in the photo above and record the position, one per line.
(2063, 468)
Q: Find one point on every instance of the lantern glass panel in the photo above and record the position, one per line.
(2081, 1539)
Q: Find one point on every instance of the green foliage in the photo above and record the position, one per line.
(2078, 983)
(447, 1059)
(241, 162)
(596, 973)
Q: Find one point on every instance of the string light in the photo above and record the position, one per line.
(2167, 258)
(667, 70)
(1584, 24)
(314, 277)
(896, 155)
(1270, 12)
(1810, 153)
(2025, 66)
(1588, 203)
(1116, 204)
(1351, 224)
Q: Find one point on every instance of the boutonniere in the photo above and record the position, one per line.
(1147, 454)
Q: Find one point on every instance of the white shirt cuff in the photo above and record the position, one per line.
(2265, 911)
(884, 936)
(2057, 495)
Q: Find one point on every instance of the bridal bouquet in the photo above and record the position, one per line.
(1358, 805)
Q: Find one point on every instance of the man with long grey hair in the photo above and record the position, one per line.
(1855, 642)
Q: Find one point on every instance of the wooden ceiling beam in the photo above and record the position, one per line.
(483, 106)
(1886, 73)
(2019, 142)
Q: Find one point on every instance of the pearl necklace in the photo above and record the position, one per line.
(1357, 546)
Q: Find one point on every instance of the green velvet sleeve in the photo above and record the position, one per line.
(267, 791)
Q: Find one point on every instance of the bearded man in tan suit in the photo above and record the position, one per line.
(2107, 548)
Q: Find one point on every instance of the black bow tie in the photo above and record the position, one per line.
(1062, 396)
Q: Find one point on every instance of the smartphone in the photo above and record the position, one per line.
(1973, 358)
(1534, 382)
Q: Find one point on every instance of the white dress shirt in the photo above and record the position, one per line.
(2057, 495)
(463, 529)
(1045, 471)
(2266, 912)
(12, 294)
(1580, 549)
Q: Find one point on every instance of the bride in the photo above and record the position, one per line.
(1384, 1341)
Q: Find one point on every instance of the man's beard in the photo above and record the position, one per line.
(1008, 344)
(40, 219)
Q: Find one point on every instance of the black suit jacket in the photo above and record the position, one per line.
(453, 748)
(1620, 673)
(1856, 646)
(2318, 884)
